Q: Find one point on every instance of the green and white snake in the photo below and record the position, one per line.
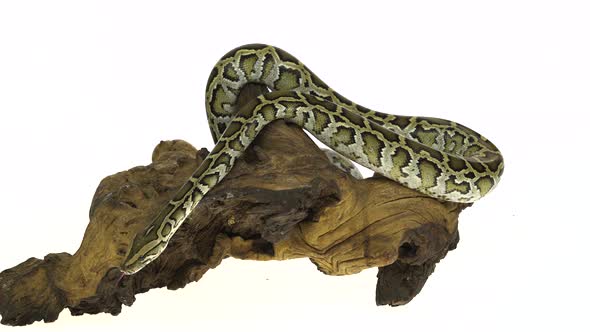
(436, 157)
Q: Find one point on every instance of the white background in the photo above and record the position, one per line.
(88, 89)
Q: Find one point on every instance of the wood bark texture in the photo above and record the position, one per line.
(282, 200)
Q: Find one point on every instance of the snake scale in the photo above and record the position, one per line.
(436, 157)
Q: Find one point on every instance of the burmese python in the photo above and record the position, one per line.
(439, 158)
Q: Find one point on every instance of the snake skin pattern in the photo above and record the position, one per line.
(436, 157)
(344, 164)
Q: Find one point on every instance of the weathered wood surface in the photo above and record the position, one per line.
(283, 200)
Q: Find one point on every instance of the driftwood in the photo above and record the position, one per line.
(282, 200)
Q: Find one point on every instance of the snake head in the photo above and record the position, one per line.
(145, 249)
(131, 267)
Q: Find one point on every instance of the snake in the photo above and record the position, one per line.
(439, 158)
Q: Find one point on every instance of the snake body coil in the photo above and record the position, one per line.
(439, 158)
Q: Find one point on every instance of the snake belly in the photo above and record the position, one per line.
(436, 157)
